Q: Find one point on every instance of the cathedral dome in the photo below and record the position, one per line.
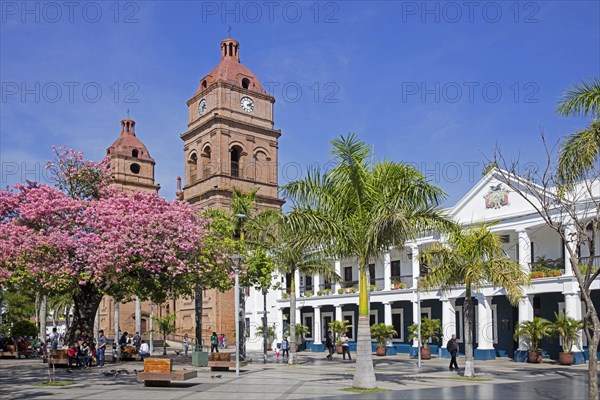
(230, 70)
(127, 144)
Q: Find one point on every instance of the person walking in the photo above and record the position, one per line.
(224, 341)
(54, 339)
(452, 347)
(214, 343)
(144, 350)
(186, 344)
(101, 349)
(285, 347)
(345, 346)
(329, 345)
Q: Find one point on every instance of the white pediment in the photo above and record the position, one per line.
(491, 200)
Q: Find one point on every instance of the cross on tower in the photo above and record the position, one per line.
(229, 31)
(128, 113)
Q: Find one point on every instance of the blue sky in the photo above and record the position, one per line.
(437, 84)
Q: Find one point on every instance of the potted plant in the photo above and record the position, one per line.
(430, 329)
(337, 328)
(327, 292)
(285, 295)
(533, 332)
(397, 283)
(270, 334)
(567, 329)
(301, 331)
(381, 332)
(341, 290)
(373, 288)
(308, 293)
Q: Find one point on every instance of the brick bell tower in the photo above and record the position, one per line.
(131, 165)
(230, 141)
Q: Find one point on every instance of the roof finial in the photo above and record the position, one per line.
(229, 31)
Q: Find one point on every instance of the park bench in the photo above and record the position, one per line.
(130, 353)
(159, 372)
(9, 352)
(222, 362)
(58, 358)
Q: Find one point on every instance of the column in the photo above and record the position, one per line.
(524, 250)
(570, 243)
(97, 325)
(448, 324)
(338, 271)
(485, 329)
(279, 325)
(387, 271)
(138, 315)
(298, 314)
(316, 284)
(573, 310)
(151, 329)
(416, 270)
(525, 314)
(297, 283)
(338, 313)
(317, 326)
(416, 315)
(387, 313)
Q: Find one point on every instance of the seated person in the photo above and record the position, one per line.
(144, 349)
(72, 355)
(22, 348)
(85, 355)
(123, 340)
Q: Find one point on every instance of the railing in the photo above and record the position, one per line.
(378, 283)
(348, 284)
(405, 280)
(586, 260)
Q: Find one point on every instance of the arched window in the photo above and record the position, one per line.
(236, 152)
(204, 84)
(134, 153)
(193, 168)
(206, 162)
(245, 83)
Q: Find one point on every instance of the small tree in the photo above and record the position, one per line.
(165, 326)
(382, 332)
(271, 331)
(533, 332)
(430, 330)
(567, 329)
(24, 328)
(339, 327)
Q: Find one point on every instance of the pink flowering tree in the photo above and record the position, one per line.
(85, 238)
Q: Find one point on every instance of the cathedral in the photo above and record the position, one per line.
(230, 142)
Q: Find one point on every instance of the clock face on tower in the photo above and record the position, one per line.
(247, 104)
(202, 106)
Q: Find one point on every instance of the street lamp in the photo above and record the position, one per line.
(237, 257)
(418, 324)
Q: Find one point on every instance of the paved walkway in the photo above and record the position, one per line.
(314, 377)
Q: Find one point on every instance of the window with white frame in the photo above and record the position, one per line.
(308, 321)
(373, 317)
(349, 316)
(398, 323)
(426, 312)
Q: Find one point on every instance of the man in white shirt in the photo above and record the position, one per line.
(144, 349)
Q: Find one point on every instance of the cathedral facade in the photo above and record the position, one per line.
(230, 142)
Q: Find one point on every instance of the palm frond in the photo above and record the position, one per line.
(581, 99)
(578, 154)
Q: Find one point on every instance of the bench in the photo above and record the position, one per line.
(58, 358)
(9, 352)
(130, 353)
(222, 362)
(159, 372)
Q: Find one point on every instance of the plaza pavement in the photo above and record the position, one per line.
(314, 377)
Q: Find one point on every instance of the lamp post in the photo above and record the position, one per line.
(237, 257)
(418, 325)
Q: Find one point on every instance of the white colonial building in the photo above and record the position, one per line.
(393, 278)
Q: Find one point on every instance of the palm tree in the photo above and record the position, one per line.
(580, 150)
(473, 258)
(289, 258)
(359, 209)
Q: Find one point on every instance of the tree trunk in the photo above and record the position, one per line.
(86, 300)
(164, 344)
(68, 317)
(593, 340)
(198, 315)
(468, 309)
(364, 374)
(293, 359)
(43, 307)
(151, 328)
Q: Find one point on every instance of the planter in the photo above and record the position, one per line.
(338, 349)
(535, 357)
(565, 358)
(380, 351)
(425, 353)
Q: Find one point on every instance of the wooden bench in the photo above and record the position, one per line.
(222, 362)
(130, 353)
(9, 352)
(159, 372)
(58, 358)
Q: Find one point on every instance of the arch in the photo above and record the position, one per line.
(206, 157)
(261, 165)
(135, 153)
(235, 153)
(245, 83)
(193, 167)
(204, 84)
(231, 49)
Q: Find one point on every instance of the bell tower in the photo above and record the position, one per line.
(230, 141)
(130, 162)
